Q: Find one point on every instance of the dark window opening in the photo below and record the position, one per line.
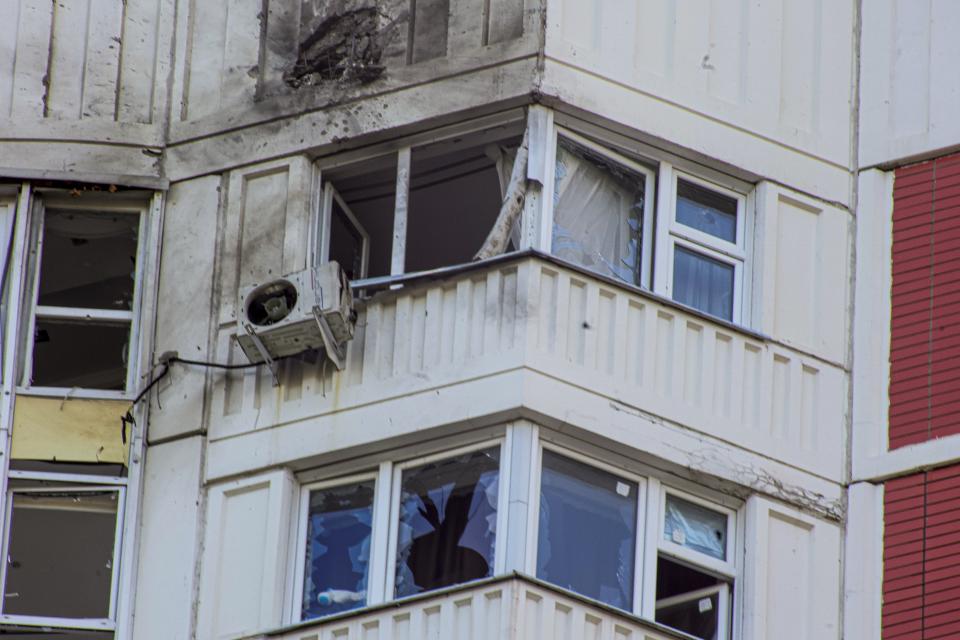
(340, 521)
(60, 556)
(88, 259)
(70, 353)
(448, 522)
(346, 243)
(369, 191)
(688, 599)
(588, 530)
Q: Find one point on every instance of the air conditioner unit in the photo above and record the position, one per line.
(309, 309)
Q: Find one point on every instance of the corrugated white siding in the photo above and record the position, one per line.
(761, 395)
(781, 69)
(84, 59)
(909, 79)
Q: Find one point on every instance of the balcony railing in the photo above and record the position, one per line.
(512, 607)
(532, 313)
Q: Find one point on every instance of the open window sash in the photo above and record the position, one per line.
(336, 211)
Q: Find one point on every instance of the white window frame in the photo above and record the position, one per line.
(641, 498)
(98, 316)
(331, 195)
(672, 233)
(303, 519)
(649, 194)
(724, 569)
(66, 483)
(503, 484)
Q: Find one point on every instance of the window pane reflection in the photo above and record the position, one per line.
(338, 549)
(448, 522)
(703, 283)
(588, 521)
(706, 210)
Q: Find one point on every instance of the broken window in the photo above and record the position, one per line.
(61, 552)
(86, 285)
(588, 530)
(339, 525)
(707, 241)
(426, 207)
(694, 568)
(447, 522)
(599, 207)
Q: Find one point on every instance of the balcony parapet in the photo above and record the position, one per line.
(512, 606)
(535, 315)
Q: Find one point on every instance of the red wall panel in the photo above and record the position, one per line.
(925, 303)
(921, 556)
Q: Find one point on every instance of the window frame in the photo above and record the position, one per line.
(303, 518)
(34, 310)
(648, 240)
(67, 483)
(642, 483)
(727, 570)
(396, 480)
(672, 233)
(331, 195)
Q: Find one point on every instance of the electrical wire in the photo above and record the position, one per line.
(165, 362)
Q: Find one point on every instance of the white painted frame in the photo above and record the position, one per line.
(639, 565)
(330, 195)
(96, 316)
(725, 569)
(670, 233)
(299, 569)
(68, 484)
(649, 195)
(503, 484)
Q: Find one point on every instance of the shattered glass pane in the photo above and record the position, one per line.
(60, 558)
(598, 213)
(588, 530)
(448, 522)
(703, 283)
(89, 259)
(695, 527)
(338, 549)
(706, 210)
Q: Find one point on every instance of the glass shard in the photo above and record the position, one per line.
(448, 522)
(338, 549)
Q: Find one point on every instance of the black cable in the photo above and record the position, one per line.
(166, 362)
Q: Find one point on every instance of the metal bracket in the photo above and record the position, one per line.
(335, 352)
(270, 362)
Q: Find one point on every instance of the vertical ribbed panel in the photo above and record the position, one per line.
(925, 338)
(922, 556)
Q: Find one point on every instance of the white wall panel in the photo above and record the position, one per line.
(909, 79)
(804, 257)
(243, 567)
(84, 59)
(186, 311)
(781, 70)
(169, 541)
(791, 576)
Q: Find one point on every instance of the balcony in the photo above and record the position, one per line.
(528, 335)
(512, 606)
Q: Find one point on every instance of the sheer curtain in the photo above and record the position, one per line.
(597, 214)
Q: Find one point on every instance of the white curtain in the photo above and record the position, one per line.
(597, 215)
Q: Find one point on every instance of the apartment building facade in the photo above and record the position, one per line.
(609, 341)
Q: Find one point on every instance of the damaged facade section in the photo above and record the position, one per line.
(343, 42)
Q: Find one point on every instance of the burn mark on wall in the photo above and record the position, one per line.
(345, 43)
